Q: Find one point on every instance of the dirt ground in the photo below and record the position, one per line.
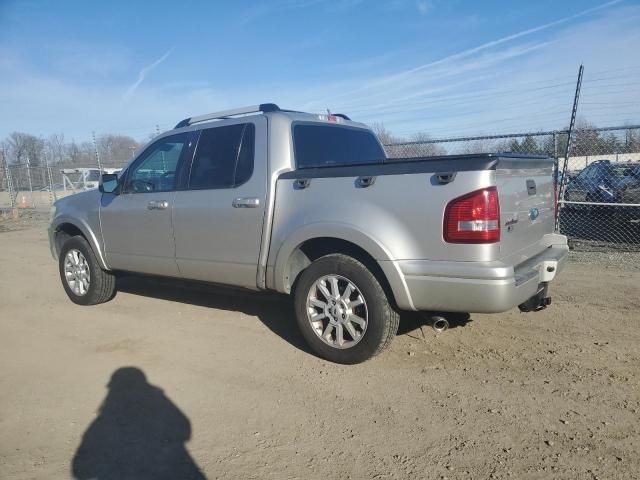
(171, 380)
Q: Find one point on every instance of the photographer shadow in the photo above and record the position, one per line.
(139, 433)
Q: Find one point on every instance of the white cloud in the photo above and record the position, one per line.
(143, 73)
(393, 79)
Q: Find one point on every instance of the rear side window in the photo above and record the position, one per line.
(223, 158)
(327, 145)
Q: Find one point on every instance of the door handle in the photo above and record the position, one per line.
(157, 205)
(246, 202)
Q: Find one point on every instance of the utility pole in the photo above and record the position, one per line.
(567, 150)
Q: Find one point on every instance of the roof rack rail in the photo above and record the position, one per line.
(263, 107)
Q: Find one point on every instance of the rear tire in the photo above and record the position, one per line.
(82, 278)
(342, 310)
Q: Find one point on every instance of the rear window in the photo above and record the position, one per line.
(327, 145)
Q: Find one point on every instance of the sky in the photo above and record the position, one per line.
(446, 68)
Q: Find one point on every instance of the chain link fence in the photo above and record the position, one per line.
(600, 194)
(598, 183)
(24, 186)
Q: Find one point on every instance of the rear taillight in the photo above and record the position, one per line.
(473, 218)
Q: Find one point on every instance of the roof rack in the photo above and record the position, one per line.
(263, 107)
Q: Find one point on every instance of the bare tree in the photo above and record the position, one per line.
(423, 147)
(22, 148)
(384, 135)
(115, 149)
(56, 147)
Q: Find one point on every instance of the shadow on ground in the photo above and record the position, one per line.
(275, 311)
(139, 433)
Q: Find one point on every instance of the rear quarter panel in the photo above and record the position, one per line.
(400, 214)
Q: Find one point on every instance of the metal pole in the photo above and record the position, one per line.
(12, 198)
(33, 205)
(52, 193)
(164, 165)
(567, 150)
(556, 169)
(95, 147)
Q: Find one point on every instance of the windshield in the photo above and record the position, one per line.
(318, 145)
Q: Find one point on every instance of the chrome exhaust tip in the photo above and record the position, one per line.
(439, 324)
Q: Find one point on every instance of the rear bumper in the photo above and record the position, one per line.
(478, 287)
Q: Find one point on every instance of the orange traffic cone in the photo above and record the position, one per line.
(23, 202)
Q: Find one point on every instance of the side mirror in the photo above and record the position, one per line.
(109, 183)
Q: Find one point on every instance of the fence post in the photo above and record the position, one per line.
(52, 193)
(33, 205)
(95, 147)
(12, 197)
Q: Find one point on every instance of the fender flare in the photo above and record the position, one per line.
(87, 232)
(348, 233)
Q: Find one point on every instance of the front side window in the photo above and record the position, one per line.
(155, 171)
(223, 158)
(318, 145)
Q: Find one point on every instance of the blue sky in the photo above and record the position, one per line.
(447, 68)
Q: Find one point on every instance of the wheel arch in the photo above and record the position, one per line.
(65, 228)
(314, 241)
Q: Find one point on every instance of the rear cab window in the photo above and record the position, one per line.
(322, 145)
(224, 157)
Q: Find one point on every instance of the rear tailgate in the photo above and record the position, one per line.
(527, 210)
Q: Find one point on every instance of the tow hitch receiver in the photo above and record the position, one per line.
(538, 302)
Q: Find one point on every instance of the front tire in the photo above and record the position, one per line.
(82, 278)
(342, 310)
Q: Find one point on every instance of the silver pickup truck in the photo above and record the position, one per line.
(309, 205)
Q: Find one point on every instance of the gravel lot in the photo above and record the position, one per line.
(171, 380)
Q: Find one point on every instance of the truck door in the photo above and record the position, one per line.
(136, 221)
(218, 217)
